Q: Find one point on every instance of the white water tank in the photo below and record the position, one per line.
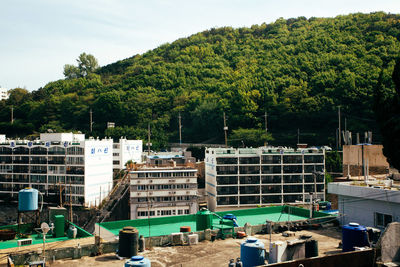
(277, 252)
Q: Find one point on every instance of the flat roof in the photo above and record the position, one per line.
(37, 238)
(158, 226)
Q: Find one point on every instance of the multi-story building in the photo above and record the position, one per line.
(125, 151)
(162, 191)
(4, 94)
(375, 204)
(64, 167)
(263, 176)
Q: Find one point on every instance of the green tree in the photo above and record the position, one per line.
(87, 64)
(249, 137)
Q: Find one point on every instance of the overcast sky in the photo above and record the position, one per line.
(39, 37)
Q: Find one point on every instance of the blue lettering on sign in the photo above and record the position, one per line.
(137, 147)
(12, 144)
(99, 150)
(92, 151)
(106, 150)
(47, 144)
(29, 144)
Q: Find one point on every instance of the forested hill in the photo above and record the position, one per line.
(297, 70)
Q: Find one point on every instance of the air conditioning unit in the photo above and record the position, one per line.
(24, 242)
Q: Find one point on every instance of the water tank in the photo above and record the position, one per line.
(311, 248)
(128, 242)
(138, 261)
(252, 252)
(354, 235)
(203, 220)
(28, 199)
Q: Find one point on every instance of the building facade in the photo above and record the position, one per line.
(125, 151)
(262, 176)
(163, 191)
(4, 94)
(64, 167)
(375, 205)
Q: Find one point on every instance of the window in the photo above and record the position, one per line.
(381, 220)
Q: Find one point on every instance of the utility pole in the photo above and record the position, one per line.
(340, 131)
(91, 121)
(226, 131)
(180, 129)
(298, 135)
(265, 122)
(148, 139)
(12, 114)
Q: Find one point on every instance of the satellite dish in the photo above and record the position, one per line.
(45, 228)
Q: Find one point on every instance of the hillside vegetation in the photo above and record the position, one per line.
(297, 70)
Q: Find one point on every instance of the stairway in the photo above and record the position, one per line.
(109, 204)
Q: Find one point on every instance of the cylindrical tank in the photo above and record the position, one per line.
(138, 261)
(203, 220)
(142, 244)
(252, 252)
(28, 199)
(128, 242)
(354, 235)
(311, 248)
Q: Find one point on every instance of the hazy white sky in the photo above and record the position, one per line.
(39, 37)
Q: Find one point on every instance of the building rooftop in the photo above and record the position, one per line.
(166, 225)
(26, 231)
(375, 188)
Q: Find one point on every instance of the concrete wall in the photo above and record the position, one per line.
(354, 259)
(361, 210)
(352, 156)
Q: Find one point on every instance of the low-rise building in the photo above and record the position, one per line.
(249, 177)
(375, 205)
(163, 191)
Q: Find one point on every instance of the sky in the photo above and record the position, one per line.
(37, 38)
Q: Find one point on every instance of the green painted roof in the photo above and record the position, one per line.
(158, 226)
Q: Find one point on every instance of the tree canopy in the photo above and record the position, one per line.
(87, 64)
(298, 71)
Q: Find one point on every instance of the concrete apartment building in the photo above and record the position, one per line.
(163, 190)
(249, 177)
(373, 205)
(59, 162)
(126, 150)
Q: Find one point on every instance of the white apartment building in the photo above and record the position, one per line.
(4, 94)
(126, 150)
(163, 191)
(373, 205)
(249, 177)
(59, 165)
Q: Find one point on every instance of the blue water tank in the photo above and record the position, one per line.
(252, 252)
(138, 261)
(28, 199)
(354, 235)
